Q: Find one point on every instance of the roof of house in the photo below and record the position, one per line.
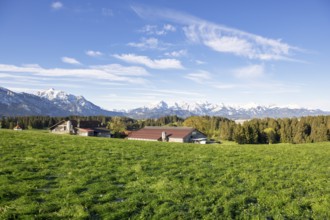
(155, 133)
(85, 130)
(55, 125)
(88, 124)
(81, 124)
(101, 130)
(73, 122)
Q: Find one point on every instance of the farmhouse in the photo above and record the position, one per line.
(82, 128)
(167, 134)
(17, 128)
(64, 127)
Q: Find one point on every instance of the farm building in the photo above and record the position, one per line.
(166, 134)
(85, 132)
(102, 132)
(64, 127)
(82, 128)
(17, 128)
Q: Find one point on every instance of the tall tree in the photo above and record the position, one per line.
(271, 135)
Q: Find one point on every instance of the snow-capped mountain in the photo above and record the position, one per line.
(58, 103)
(183, 109)
(12, 103)
(50, 102)
(75, 105)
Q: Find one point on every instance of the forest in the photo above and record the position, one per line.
(256, 131)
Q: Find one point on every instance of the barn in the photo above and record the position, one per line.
(166, 134)
(64, 127)
(17, 128)
(85, 132)
(82, 128)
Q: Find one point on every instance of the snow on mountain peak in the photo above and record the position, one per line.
(207, 108)
(158, 105)
(54, 102)
(250, 105)
(70, 102)
(53, 94)
(48, 102)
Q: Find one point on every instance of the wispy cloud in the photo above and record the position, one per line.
(111, 72)
(149, 43)
(174, 92)
(70, 60)
(199, 77)
(221, 38)
(107, 12)
(251, 71)
(57, 5)
(147, 96)
(169, 27)
(178, 53)
(93, 53)
(224, 86)
(155, 30)
(200, 62)
(120, 70)
(254, 87)
(153, 64)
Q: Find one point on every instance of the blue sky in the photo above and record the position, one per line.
(125, 54)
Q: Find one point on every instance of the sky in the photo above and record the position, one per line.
(127, 54)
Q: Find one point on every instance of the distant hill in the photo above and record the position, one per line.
(50, 102)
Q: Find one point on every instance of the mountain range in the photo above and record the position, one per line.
(184, 110)
(58, 103)
(50, 102)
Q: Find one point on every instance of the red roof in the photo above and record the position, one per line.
(85, 129)
(155, 133)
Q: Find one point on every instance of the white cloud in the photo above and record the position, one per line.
(111, 72)
(155, 30)
(251, 71)
(225, 86)
(178, 53)
(70, 60)
(57, 5)
(230, 45)
(148, 43)
(200, 62)
(107, 12)
(168, 27)
(149, 29)
(174, 92)
(200, 76)
(153, 64)
(220, 38)
(93, 53)
(120, 70)
(227, 40)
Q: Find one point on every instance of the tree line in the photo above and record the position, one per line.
(256, 131)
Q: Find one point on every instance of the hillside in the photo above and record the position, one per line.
(49, 176)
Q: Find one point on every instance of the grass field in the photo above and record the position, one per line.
(47, 176)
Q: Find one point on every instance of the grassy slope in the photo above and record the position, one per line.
(58, 176)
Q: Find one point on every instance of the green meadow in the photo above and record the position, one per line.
(48, 176)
